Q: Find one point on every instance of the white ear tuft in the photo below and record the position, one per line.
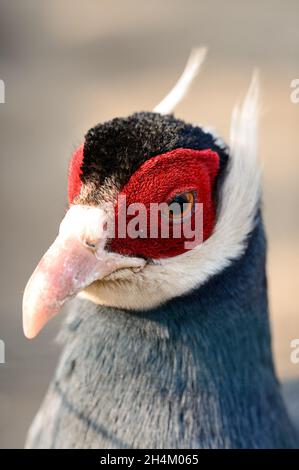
(182, 86)
(241, 187)
(243, 132)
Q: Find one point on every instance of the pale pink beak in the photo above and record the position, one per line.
(75, 260)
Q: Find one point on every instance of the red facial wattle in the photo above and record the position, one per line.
(158, 180)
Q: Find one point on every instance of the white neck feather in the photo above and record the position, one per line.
(182, 86)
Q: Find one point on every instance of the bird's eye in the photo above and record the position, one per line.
(182, 205)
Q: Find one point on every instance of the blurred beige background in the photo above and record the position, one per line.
(70, 64)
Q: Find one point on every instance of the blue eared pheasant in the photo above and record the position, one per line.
(164, 347)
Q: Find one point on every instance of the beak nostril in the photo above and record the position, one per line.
(105, 226)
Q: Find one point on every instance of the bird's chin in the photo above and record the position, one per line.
(123, 274)
(116, 289)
